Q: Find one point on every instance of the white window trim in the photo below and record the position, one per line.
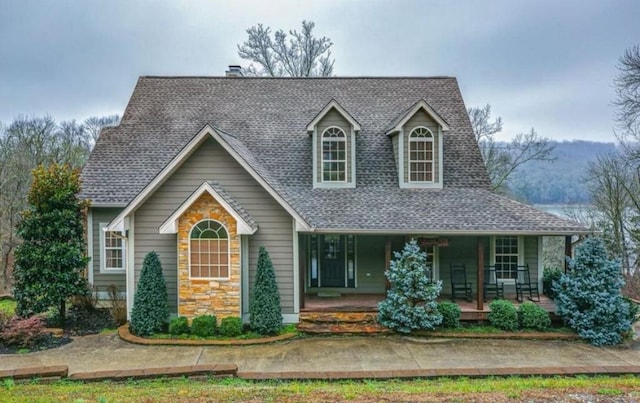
(492, 254)
(405, 184)
(342, 140)
(228, 277)
(433, 152)
(103, 256)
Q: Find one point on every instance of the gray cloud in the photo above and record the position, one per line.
(542, 64)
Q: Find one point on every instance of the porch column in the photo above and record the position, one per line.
(479, 288)
(567, 251)
(387, 262)
(302, 266)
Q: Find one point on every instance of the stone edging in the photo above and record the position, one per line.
(45, 373)
(506, 335)
(123, 332)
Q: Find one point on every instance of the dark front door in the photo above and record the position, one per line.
(332, 265)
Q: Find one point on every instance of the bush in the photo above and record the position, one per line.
(503, 315)
(150, 311)
(230, 327)
(179, 325)
(118, 309)
(588, 296)
(265, 314)
(23, 333)
(411, 301)
(450, 314)
(204, 326)
(549, 275)
(531, 316)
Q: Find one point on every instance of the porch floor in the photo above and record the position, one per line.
(369, 303)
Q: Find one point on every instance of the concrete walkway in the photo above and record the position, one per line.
(344, 357)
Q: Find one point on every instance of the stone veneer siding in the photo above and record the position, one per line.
(196, 297)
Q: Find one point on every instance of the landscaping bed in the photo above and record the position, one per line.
(288, 332)
(79, 321)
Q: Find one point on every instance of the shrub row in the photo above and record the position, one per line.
(207, 326)
(503, 315)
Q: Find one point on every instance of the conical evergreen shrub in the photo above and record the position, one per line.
(588, 296)
(411, 303)
(264, 307)
(150, 312)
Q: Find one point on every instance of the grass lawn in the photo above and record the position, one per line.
(622, 388)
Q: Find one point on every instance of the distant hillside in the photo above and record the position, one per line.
(561, 181)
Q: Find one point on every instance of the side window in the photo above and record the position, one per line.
(334, 155)
(112, 253)
(421, 155)
(209, 250)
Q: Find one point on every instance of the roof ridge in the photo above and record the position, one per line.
(303, 78)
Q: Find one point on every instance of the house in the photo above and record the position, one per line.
(329, 174)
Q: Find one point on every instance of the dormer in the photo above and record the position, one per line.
(333, 133)
(417, 144)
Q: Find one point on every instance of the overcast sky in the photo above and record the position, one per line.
(542, 64)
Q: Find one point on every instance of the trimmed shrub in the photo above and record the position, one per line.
(265, 314)
(204, 326)
(503, 315)
(230, 327)
(450, 314)
(179, 325)
(150, 312)
(549, 276)
(411, 301)
(23, 332)
(531, 316)
(589, 297)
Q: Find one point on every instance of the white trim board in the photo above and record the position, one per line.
(331, 105)
(422, 104)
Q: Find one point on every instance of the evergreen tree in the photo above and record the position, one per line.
(50, 262)
(588, 297)
(411, 302)
(264, 306)
(150, 312)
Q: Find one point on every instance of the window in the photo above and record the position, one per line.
(506, 255)
(421, 155)
(209, 250)
(112, 254)
(334, 155)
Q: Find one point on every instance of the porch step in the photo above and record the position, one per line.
(341, 328)
(340, 323)
(339, 317)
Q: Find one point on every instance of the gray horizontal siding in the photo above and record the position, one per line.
(103, 280)
(211, 162)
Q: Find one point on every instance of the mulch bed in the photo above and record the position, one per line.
(79, 322)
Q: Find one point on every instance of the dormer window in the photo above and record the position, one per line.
(334, 155)
(421, 155)
(417, 142)
(333, 137)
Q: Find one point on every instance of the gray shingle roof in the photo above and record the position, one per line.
(234, 204)
(264, 120)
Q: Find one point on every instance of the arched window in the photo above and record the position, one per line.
(334, 155)
(421, 155)
(209, 250)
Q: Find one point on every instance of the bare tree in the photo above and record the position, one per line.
(627, 84)
(300, 55)
(24, 144)
(94, 124)
(610, 178)
(502, 160)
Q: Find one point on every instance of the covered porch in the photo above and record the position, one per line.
(343, 272)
